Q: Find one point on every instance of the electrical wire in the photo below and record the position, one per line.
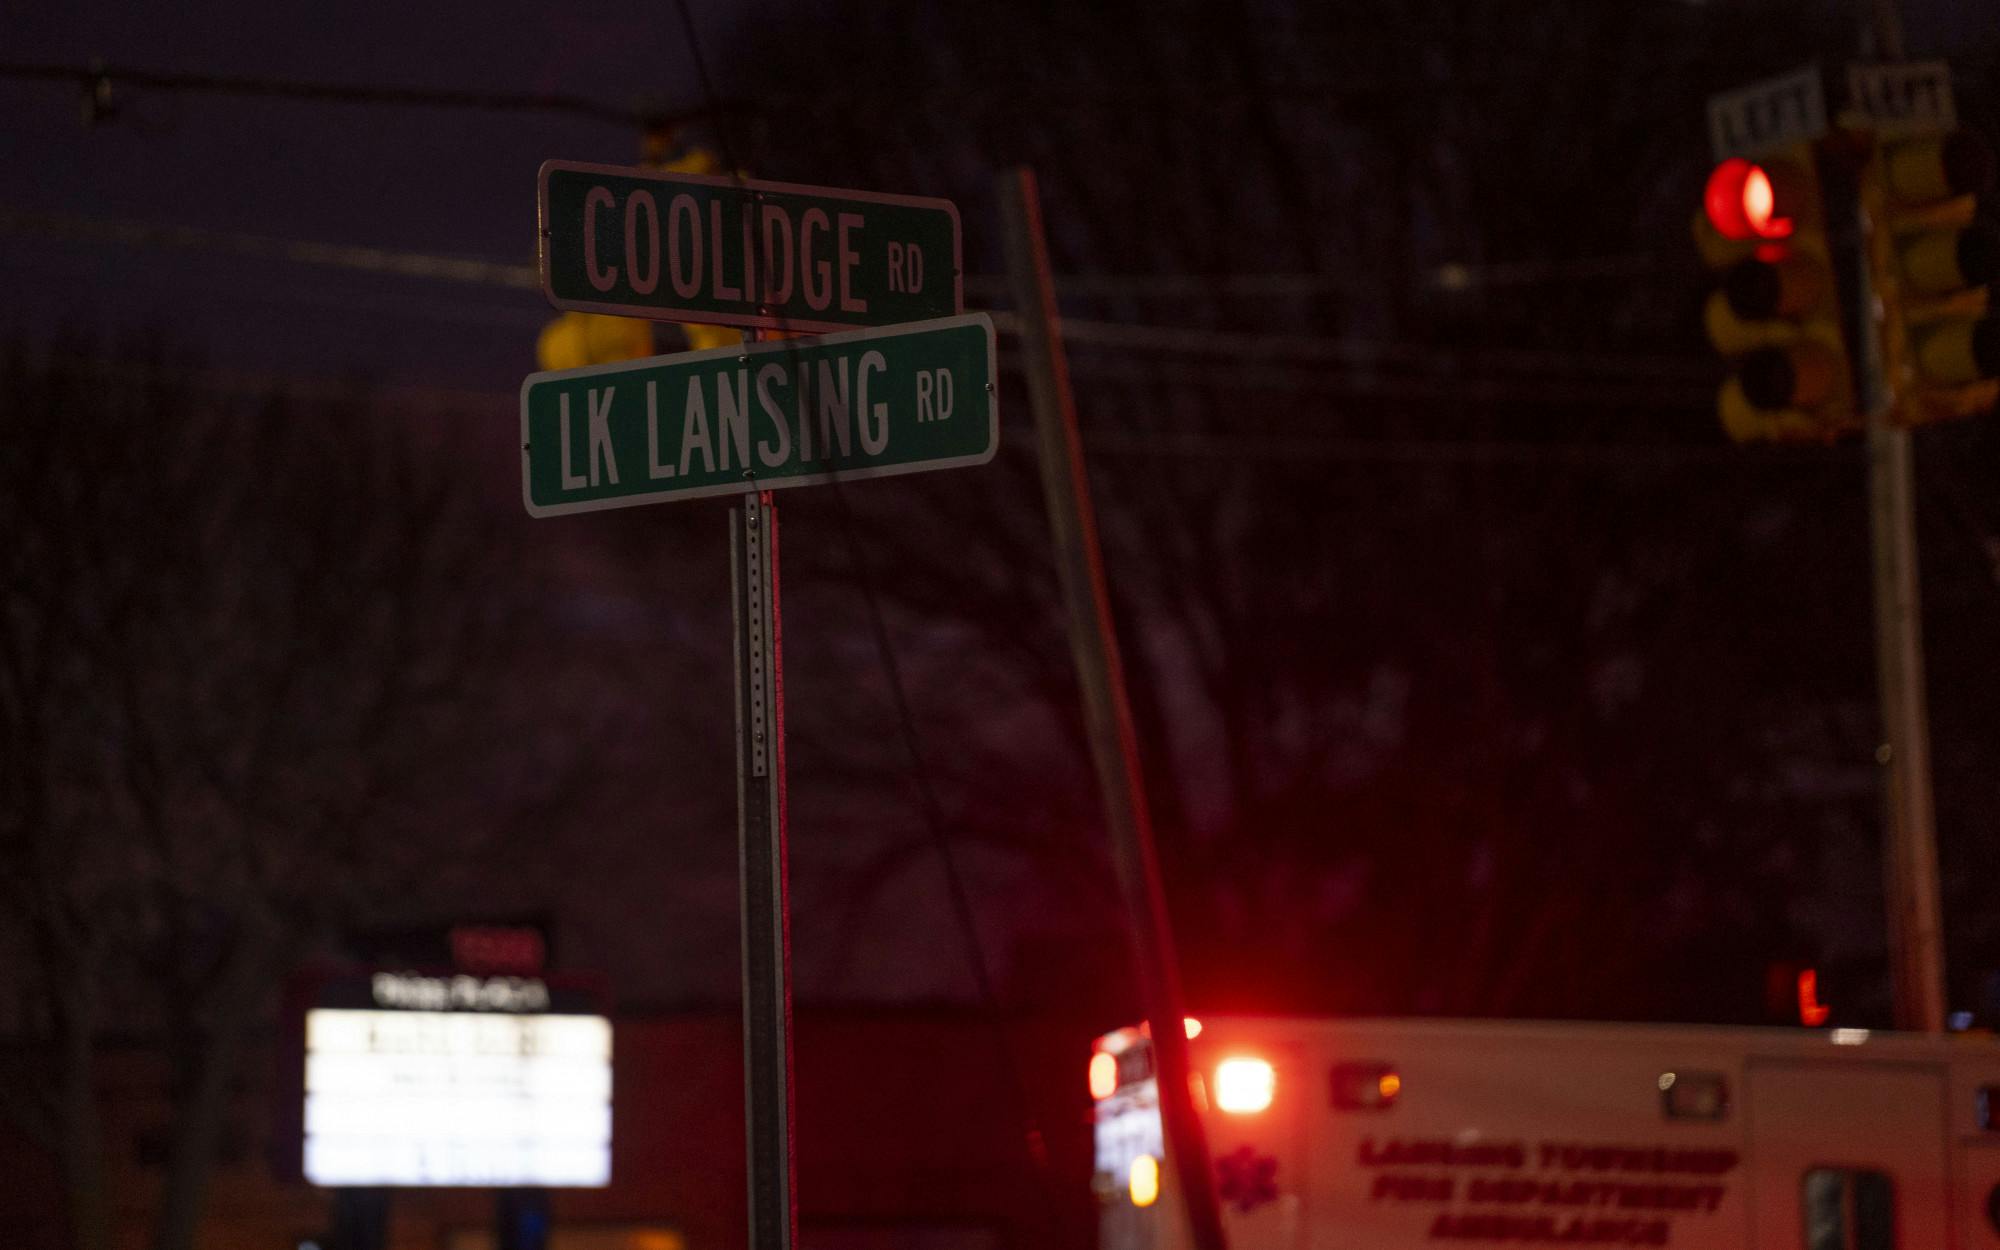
(305, 252)
(99, 83)
(1182, 96)
(1291, 362)
(1456, 276)
(1420, 453)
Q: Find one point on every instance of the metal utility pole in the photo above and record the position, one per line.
(1916, 935)
(1113, 745)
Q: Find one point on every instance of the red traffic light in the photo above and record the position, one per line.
(1744, 202)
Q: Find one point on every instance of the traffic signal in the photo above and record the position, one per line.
(1931, 262)
(1775, 314)
(576, 339)
(1796, 993)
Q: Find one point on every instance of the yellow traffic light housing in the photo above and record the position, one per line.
(1775, 314)
(576, 339)
(1932, 261)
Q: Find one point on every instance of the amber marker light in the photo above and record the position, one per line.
(1103, 1075)
(1144, 1181)
(1189, 1023)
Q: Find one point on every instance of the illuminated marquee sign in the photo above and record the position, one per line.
(455, 1080)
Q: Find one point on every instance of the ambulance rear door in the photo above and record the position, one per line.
(1848, 1156)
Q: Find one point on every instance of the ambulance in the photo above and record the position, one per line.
(1454, 1135)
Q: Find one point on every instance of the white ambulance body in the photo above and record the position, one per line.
(1435, 1135)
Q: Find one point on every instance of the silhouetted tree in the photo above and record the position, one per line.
(242, 645)
(1471, 667)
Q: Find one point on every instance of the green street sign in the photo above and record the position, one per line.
(730, 251)
(790, 412)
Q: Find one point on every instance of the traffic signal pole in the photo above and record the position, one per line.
(1916, 939)
(1910, 873)
(1108, 714)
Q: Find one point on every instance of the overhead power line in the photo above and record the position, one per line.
(1448, 276)
(1197, 96)
(1252, 346)
(1439, 385)
(1270, 353)
(1592, 455)
(306, 252)
(989, 287)
(99, 84)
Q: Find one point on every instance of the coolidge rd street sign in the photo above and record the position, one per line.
(791, 412)
(726, 251)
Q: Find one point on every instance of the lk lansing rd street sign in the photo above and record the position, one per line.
(791, 412)
(727, 251)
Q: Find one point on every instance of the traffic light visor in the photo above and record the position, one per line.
(1943, 261)
(1744, 202)
(1790, 287)
(1804, 375)
(1959, 352)
(1936, 166)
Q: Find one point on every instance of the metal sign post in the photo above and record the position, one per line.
(767, 948)
(913, 389)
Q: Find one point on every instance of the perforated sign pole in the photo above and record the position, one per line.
(902, 383)
(767, 949)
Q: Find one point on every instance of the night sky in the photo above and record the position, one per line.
(429, 180)
(461, 183)
(454, 182)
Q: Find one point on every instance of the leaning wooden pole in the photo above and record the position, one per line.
(1113, 745)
